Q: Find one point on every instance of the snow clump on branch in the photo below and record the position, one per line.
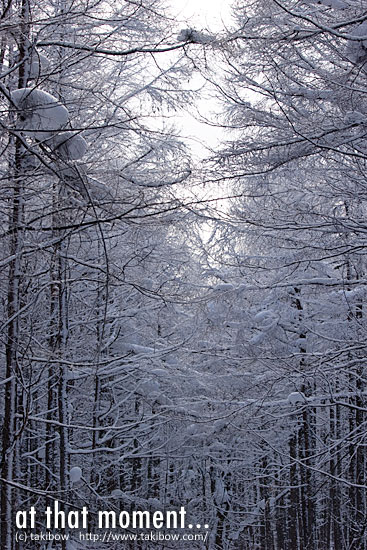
(75, 474)
(68, 145)
(42, 113)
(356, 50)
(38, 66)
(296, 398)
(194, 37)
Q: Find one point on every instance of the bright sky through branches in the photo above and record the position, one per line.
(211, 15)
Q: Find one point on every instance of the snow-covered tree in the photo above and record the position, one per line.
(91, 184)
(295, 99)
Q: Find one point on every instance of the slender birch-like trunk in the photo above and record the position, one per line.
(9, 447)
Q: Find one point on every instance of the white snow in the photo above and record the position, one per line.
(149, 387)
(220, 424)
(154, 502)
(135, 348)
(357, 49)
(39, 65)
(220, 495)
(354, 117)
(266, 319)
(361, 31)
(75, 474)
(68, 145)
(159, 372)
(224, 286)
(98, 189)
(217, 446)
(296, 398)
(43, 113)
(117, 493)
(195, 37)
(335, 4)
(193, 429)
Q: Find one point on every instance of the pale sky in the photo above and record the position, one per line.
(200, 15)
(203, 13)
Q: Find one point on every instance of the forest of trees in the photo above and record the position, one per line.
(177, 332)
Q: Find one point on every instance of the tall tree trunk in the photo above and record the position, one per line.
(13, 305)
